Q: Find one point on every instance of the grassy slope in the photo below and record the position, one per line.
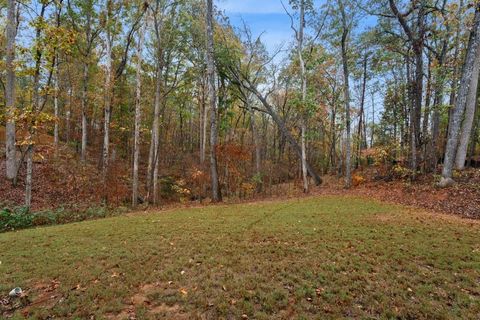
(327, 257)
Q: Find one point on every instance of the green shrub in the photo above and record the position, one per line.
(16, 218)
(42, 218)
(21, 217)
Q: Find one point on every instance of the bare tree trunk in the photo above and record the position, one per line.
(475, 132)
(437, 100)
(372, 133)
(333, 137)
(203, 124)
(469, 115)
(346, 89)
(256, 139)
(303, 77)
(107, 102)
(35, 108)
(153, 161)
(28, 177)
(361, 122)
(216, 196)
(68, 113)
(150, 166)
(55, 106)
(416, 37)
(153, 173)
(460, 103)
(89, 40)
(138, 115)
(456, 54)
(413, 129)
(56, 89)
(426, 137)
(83, 155)
(11, 161)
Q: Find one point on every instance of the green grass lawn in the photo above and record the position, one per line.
(314, 258)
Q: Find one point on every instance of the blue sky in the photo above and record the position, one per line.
(269, 16)
(266, 16)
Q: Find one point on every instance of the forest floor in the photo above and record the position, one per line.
(319, 257)
(463, 198)
(65, 183)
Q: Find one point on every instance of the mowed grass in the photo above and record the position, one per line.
(313, 258)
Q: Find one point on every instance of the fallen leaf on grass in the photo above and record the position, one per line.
(78, 287)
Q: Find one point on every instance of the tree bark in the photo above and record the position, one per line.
(83, 154)
(346, 93)
(469, 115)
(216, 196)
(55, 106)
(256, 139)
(361, 122)
(413, 122)
(303, 78)
(333, 136)
(11, 161)
(154, 155)
(84, 103)
(461, 100)
(28, 177)
(475, 132)
(108, 100)
(456, 54)
(35, 109)
(437, 100)
(203, 123)
(138, 115)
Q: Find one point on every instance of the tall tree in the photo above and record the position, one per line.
(36, 106)
(153, 159)
(138, 112)
(83, 19)
(461, 100)
(469, 115)
(212, 95)
(108, 89)
(299, 35)
(346, 29)
(11, 165)
(416, 38)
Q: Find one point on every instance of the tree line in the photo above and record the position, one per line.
(170, 88)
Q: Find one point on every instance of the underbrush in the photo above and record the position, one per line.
(21, 218)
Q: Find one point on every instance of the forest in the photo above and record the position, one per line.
(186, 114)
(153, 108)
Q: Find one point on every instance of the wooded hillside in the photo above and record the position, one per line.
(154, 101)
